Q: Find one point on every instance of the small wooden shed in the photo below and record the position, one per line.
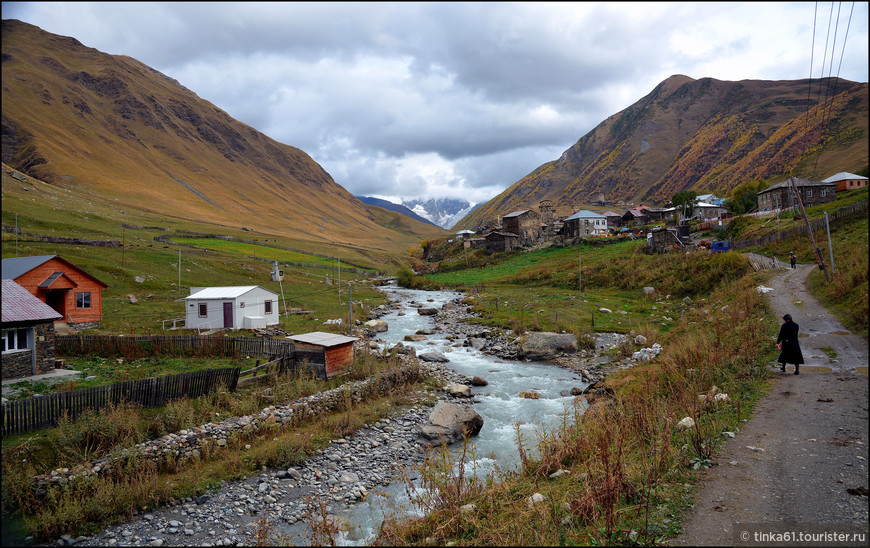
(328, 354)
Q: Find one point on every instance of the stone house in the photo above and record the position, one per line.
(525, 224)
(781, 195)
(500, 241)
(28, 333)
(584, 224)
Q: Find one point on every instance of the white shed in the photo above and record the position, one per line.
(231, 307)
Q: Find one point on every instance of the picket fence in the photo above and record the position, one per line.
(40, 412)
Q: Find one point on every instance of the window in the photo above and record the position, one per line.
(203, 310)
(809, 193)
(823, 192)
(83, 300)
(268, 307)
(15, 340)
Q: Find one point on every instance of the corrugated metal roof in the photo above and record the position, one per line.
(225, 292)
(798, 182)
(843, 176)
(323, 339)
(585, 214)
(20, 306)
(16, 266)
(516, 213)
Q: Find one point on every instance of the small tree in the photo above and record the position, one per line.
(743, 196)
(685, 202)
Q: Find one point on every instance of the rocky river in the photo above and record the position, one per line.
(357, 480)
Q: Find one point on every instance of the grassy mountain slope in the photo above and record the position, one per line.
(112, 127)
(707, 135)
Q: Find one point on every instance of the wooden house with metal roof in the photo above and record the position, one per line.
(75, 294)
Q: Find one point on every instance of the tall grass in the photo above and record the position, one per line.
(627, 463)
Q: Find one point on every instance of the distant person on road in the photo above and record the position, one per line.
(793, 260)
(787, 344)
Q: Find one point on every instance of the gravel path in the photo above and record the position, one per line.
(800, 464)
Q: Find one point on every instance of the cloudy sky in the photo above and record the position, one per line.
(459, 100)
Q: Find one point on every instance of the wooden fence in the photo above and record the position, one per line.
(45, 411)
(800, 229)
(173, 345)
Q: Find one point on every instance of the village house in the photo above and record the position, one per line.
(500, 241)
(661, 213)
(636, 216)
(584, 223)
(614, 219)
(705, 211)
(711, 199)
(847, 181)
(781, 195)
(525, 224)
(28, 333)
(230, 307)
(70, 291)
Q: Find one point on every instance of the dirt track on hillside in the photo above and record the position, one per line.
(800, 463)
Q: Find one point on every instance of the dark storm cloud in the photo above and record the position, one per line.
(443, 99)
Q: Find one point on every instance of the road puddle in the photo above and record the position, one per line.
(840, 333)
(862, 370)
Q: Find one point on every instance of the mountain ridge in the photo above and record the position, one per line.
(707, 135)
(80, 118)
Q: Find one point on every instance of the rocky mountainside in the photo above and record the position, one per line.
(444, 212)
(398, 208)
(707, 135)
(111, 126)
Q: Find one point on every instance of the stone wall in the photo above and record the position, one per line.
(214, 435)
(20, 364)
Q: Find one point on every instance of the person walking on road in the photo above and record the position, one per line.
(787, 344)
(793, 260)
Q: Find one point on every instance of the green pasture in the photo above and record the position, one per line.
(259, 251)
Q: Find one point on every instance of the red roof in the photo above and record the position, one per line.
(20, 306)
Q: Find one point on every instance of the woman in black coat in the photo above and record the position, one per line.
(787, 342)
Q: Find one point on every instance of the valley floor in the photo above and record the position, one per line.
(800, 464)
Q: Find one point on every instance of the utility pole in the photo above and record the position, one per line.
(819, 259)
(830, 247)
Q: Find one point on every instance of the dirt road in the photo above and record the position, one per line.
(800, 463)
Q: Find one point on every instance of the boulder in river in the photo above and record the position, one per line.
(544, 345)
(459, 390)
(448, 422)
(378, 326)
(433, 356)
